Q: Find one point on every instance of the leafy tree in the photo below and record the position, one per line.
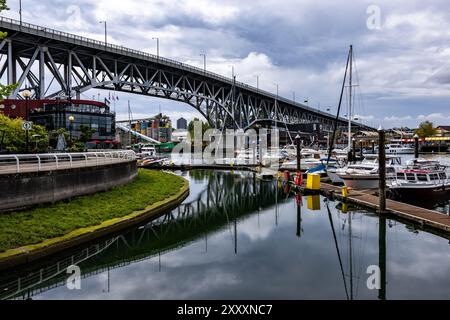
(12, 136)
(5, 90)
(426, 129)
(205, 126)
(54, 135)
(86, 133)
(3, 5)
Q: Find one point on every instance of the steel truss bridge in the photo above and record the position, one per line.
(226, 199)
(59, 64)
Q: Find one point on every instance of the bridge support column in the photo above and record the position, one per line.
(41, 93)
(12, 72)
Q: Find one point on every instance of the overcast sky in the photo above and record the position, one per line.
(403, 62)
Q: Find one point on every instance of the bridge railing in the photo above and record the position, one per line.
(20, 163)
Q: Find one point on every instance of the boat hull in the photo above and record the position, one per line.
(361, 181)
(420, 192)
(334, 177)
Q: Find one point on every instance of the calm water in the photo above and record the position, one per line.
(237, 237)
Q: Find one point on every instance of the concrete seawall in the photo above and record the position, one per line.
(18, 191)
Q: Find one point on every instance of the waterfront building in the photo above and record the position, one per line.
(55, 114)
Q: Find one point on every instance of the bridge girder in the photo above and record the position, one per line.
(56, 64)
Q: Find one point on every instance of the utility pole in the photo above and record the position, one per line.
(204, 61)
(20, 11)
(157, 46)
(106, 33)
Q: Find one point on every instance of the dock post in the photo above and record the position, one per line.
(416, 146)
(448, 209)
(299, 177)
(354, 151)
(382, 169)
(361, 149)
(297, 143)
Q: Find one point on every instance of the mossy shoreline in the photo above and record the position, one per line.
(84, 218)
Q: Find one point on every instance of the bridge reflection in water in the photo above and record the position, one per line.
(261, 242)
(224, 199)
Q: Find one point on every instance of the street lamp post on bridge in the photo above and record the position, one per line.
(106, 33)
(204, 61)
(157, 46)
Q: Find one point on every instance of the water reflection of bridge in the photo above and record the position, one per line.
(225, 199)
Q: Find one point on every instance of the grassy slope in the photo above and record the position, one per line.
(32, 226)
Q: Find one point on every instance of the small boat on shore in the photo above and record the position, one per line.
(151, 161)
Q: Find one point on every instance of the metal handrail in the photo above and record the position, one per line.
(52, 33)
(17, 163)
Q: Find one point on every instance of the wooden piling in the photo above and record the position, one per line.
(382, 170)
(416, 146)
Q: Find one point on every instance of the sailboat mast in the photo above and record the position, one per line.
(350, 100)
(129, 122)
(338, 109)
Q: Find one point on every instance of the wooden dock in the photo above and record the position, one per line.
(369, 199)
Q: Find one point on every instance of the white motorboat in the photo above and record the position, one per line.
(399, 149)
(365, 175)
(147, 152)
(309, 159)
(421, 178)
(273, 156)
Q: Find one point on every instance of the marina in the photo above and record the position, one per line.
(222, 152)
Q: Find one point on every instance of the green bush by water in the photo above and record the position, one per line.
(35, 225)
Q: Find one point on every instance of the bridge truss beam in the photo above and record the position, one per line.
(60, 64)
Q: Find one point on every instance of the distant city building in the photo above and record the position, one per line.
(182, 123)
(158, 128)
(443, 131)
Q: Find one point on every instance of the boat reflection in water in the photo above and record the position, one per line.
(238, 237)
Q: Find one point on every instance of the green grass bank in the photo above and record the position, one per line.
(24, 228)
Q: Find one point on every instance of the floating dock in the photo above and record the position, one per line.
(369, 199)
